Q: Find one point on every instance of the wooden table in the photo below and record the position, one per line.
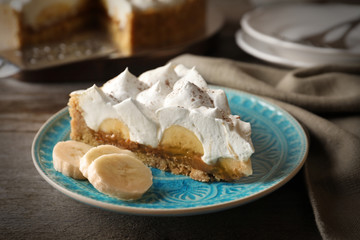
(32, 209)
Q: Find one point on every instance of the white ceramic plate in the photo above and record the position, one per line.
(274, 33)
(263, 52)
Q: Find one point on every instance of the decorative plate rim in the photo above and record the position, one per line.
(168, 211)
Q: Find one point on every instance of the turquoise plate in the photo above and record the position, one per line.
(280, 151)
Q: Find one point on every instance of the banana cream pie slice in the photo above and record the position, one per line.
(170, 119)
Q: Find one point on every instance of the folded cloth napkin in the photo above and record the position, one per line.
(326, 101)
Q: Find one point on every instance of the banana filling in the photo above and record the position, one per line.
(180, 141)
(170, 119)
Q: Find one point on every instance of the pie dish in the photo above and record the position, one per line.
(133, 25)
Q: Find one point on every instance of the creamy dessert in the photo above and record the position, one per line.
(133, 25)
(170, 119)
(24, 22)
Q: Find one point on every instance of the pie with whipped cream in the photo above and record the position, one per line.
(26, 22)
(170, 118)
(133, 25)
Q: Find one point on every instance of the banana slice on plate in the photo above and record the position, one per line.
(66, 158)
(120, 175)
(96, 152)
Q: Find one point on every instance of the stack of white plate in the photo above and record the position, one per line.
(281, 34)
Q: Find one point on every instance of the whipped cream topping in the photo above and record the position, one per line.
(15, 4)
(31, 10)
(166, 96)
(120, 9)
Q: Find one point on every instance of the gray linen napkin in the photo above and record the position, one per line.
(326, 100)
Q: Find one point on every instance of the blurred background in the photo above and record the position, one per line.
(224, 38)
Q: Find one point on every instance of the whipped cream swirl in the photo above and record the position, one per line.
(166, 96)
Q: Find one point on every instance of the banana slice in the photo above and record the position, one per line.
(66, 157)
(120, 175)
(96, 152)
